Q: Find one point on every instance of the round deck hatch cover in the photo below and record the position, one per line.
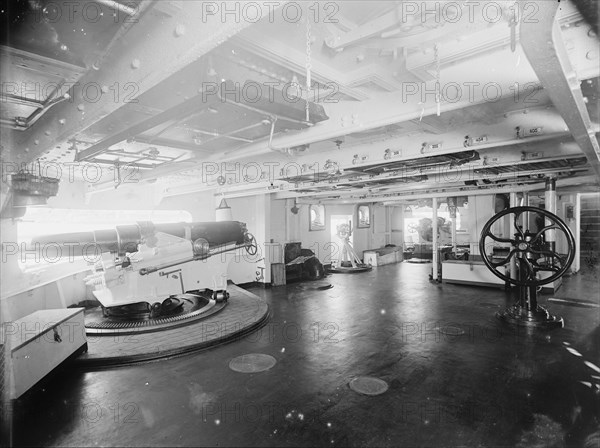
(252, 363)
(367, 385)
(450, 330)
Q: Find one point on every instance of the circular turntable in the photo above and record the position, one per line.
(175, 311)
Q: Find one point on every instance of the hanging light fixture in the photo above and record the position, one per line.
(223, 212)
(295, 208)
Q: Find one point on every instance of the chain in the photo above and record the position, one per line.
(308, 65)
(437, 79)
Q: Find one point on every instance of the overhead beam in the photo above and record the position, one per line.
(153, 49)
(539, 186)
(347, 117)
(184, 110)
(579, 181)
(295, 60)
(543, 44)
(378, 193)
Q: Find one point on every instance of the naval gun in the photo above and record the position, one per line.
(148, 268)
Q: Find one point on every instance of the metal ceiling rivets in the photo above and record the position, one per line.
(62, 121)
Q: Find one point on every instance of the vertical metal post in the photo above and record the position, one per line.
(453, 209)
(577, 215)
(525, 215)
(513, 260)
(454, 234)
(550, 235)
(550, 200)
(434, 228)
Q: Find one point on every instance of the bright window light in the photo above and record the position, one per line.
(40, 221)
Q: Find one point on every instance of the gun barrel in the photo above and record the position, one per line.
(123, 239)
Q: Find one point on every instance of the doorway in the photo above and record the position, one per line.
(590, 231)
(336, 242)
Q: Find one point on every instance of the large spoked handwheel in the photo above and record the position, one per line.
(532, 251)
(251, 244)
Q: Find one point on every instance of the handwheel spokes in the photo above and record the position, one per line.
(251, 246)
(550, 253)
(519, 228)
(547, 267)
(500, 240)
(529, 267)
(504, 260)
(541, 232)
(534, 254)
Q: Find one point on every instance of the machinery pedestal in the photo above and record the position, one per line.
(538, 318)
(526, 312)
(530, 253)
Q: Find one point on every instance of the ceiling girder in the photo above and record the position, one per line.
(153, 49)
(545, 49)
(189, 107)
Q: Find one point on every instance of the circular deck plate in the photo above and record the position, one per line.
(252, 363)
(450, 330)
(350, 270)
(317, 287)
(367, 385)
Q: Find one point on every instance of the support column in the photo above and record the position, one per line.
(513, 260)
(434, 238)
(550, 201)
(550, 235)
(577, 215)
(453, 208)
(526, 215)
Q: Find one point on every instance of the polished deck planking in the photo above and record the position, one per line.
(485, 385)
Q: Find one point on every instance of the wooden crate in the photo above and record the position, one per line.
(382, 256)
(277, 274)
(40, 342)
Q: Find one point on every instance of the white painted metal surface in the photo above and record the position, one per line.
(471, 273)
(40, 342)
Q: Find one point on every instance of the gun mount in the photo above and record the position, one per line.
(148, 269)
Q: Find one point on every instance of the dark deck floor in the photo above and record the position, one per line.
(491, 386)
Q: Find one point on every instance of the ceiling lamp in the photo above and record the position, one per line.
(223, 212)
(295, 208)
